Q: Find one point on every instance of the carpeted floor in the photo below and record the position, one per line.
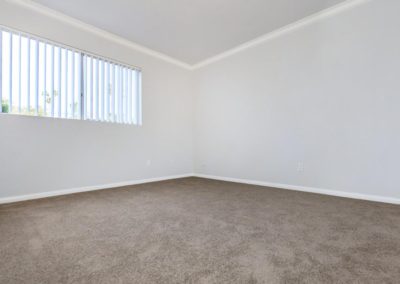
(199, 231)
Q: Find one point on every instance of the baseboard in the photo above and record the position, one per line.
(18, 198)
(352, 195)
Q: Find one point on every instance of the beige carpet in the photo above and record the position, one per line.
(199, 231)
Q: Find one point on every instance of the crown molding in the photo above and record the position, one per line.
(326, 13)
(29, 4)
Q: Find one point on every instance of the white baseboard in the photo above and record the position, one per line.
(352, 195)
(87, 188)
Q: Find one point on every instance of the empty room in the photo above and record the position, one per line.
(199, 141)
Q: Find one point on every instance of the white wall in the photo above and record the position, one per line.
(326, 95)
(39, 155)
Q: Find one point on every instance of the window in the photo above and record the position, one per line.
(41, 78)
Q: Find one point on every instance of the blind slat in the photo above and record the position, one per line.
(139, 98)
(125, 96)
(97, 89)
(85, 87)
(129, 103)
(80, 97)
(1, 72)
(59, 62)
(121, 90)
(108, 92)
(66, 84)
(28, 75)
(73, 85)
(52, 81)
(44, 79)
(103, 84)
(10, 101)
(91, 88)
(114, 86)
(19, 74)
(37, 79)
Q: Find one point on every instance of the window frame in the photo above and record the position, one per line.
(83, 115)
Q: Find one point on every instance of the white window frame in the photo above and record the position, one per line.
(126, 90)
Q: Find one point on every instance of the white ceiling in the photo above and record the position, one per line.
(189, 30)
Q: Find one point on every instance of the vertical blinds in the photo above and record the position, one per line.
(41, 78)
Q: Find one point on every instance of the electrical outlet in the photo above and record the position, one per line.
(300, 167)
